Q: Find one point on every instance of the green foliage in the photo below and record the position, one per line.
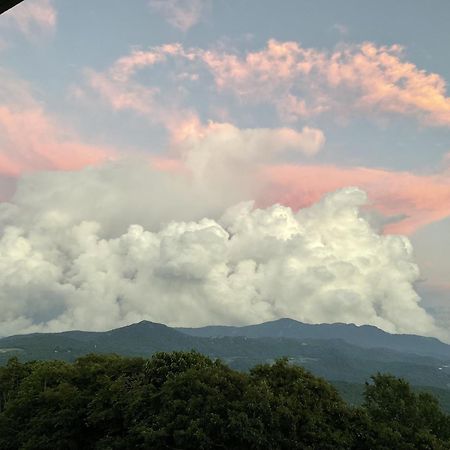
(416, 417)
(307, 411)
(163, 366)
(184, 400)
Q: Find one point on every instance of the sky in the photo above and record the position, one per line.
(225, 162)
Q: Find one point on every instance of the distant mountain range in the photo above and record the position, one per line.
(347, 355)
(365, 336)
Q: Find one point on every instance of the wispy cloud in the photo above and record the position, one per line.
(181, 14)
(120, 89)
(340, 28)
(306, 81)
(33, 18)
(31, 139)
(299, 82)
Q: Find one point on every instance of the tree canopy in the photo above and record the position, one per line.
(184, 400)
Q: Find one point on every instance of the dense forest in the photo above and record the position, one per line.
(184, 400)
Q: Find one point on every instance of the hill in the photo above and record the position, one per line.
(365, 336)
(242, 348)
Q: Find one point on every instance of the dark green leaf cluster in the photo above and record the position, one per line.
(184, 400)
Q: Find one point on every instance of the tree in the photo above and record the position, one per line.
(396, 410)
(184, 400)
(307, 412)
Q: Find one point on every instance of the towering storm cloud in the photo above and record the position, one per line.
(154, 246)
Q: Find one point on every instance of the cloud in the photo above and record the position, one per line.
(340, 28)
(222, 154)
(299, 82)
(31, 139)
(180, 14)
(361, 77)
(120, 97)
(415, 199)
(120, 89)
(432, 247)
(189, 137)
(148, 246)
(239, 163)
(33, 18)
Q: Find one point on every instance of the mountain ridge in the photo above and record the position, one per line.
(366, 336)
(326, 354)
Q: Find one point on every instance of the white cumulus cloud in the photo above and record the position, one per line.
(108, 246)
(224, 156)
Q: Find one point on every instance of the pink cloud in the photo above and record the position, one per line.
(31, 139)
(299, 82)
(180, 14)
(33, 18)
(121, 96)
(118, 88)
(306, 81)
(126, 66)
(408, 200)
(421, 199)
(263, 72)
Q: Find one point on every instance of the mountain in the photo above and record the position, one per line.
(140, 339)
(347, 357)
(365, 336)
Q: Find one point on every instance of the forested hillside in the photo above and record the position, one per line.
(188, 401)
(346, 365)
